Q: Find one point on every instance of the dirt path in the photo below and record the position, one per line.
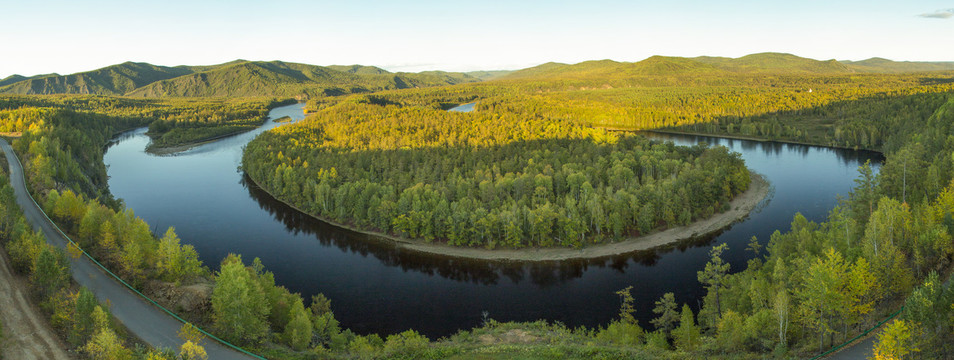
(26, 334)
(143, 319)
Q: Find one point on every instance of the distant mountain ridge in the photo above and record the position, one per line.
(762, 63)
(881, 65)
(277, 78)
(111, 80)
(235, 78)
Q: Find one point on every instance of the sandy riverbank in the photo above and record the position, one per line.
(740, 207)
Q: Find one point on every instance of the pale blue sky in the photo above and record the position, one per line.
(40, 36)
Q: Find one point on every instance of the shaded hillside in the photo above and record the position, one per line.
(763, 63)
(276, 78)
(776, 63)
(111, 80)
(881, 65)
(12, 79)
(489, 74)
(235, 78)
(359, 69)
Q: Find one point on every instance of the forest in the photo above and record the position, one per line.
(489, 180)
(886, 247)
(808, 288)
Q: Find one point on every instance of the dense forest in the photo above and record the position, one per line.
(805, 289)
(171, 122)
(491, 180)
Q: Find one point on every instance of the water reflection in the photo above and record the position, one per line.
(378, 288)
(483, 272)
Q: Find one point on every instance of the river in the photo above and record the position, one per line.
(377, 288)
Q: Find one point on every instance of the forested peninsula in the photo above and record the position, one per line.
(486, 180)
(535, 162)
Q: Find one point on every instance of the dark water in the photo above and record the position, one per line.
(377, 288)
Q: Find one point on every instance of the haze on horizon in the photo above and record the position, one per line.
(67, 37)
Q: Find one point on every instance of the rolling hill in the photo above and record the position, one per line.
(111, 80)
(277, 78)
(763, 63)
(881, 65)
(359, 69)
(235, 78)
(775, 63)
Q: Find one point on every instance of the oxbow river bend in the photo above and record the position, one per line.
(377, 288)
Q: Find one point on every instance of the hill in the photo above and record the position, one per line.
(12, 79)
(763, 63)
(488, 74)
(276, 78)
(235, 78)
(881, 65)
(111, 80)
(359, 69)
(775, 63)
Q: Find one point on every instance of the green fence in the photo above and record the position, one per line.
(88, 256)
(863, 334)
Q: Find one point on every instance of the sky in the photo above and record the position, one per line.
(40, 36)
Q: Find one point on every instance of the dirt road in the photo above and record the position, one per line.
(26, 334)
(147, 321)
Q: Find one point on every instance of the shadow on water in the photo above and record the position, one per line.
(483, 272)
(377, 287)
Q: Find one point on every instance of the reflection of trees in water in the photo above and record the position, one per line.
(847, 157)
(484, 272)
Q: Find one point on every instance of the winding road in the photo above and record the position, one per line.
(143, 319)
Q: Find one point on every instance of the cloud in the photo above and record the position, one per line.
(940, 14)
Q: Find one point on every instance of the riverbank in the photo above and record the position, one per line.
(743, 137)
(172, 149)
(740, 207)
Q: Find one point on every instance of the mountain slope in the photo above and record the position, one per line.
(775, 63)
(276, 78)
(359, 69)
(111, 80)
(667, 66)
(881, 65)
(609, 69)
(12, 79)
(488, 74)
(235, 78)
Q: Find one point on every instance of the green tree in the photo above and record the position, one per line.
(51, 270)
(83, 324)
(626, 308)
(713, 277)
(298, 331)
(239, 308)
(667, 315)
(730, 331)
(406, 345)
(864, 196)
(105, 345)
(781, 308)
(894, 341)
(176, 263)
(687, 335)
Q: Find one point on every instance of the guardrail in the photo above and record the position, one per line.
(865, 333)
(117, 278)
